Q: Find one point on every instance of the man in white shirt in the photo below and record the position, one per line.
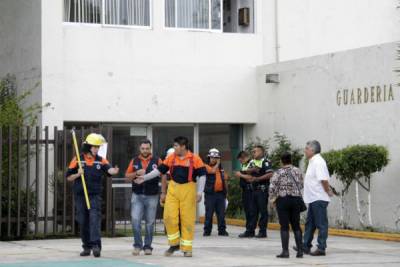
(317, 195)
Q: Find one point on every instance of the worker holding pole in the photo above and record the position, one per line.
(86, 171)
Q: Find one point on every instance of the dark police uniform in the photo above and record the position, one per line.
(247, 200)
(89, 220)
(260, 194)
(215, 199)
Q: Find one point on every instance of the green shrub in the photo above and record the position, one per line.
(13, 116)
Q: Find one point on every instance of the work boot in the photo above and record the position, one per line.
(298, 236)
(261, 234)
(223, 233)
(246, 235)
(136, 251)
(187, 254)
(206, 233)
(285, 245)
(171, 251)
(96, 251)
(318, 252)
(85, 252)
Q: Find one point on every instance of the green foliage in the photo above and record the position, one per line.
(235, 207)
(283, 145)
(13, 116)
(356, 163)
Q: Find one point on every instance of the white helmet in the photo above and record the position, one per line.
(214, 153)
(170, 151)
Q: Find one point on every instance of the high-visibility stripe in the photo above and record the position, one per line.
(186, 242)
(174, 236)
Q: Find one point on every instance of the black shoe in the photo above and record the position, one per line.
(305, 250)
(85, 252)
(261, 235)
(246, 235)
(223, 233)
(284, 254)
(96, 252)
(318, 252)
(206, 233)
(171, 251)
(298, 236)
(285, 245)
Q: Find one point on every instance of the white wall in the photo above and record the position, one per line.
(304, 106)
(314, 27)
(91, 73)
(20, 44)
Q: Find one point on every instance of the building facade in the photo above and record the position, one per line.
(158, 68)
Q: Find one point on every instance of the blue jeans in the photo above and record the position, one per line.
(89, 220)
(143, 207)
(317, 218)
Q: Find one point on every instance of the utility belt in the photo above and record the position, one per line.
(261, 187)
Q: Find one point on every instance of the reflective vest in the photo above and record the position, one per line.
(211, 179)
(150, 187)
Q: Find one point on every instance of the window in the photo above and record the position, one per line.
(82, 11)
(127, 12)
(193, 14)
(109, 12)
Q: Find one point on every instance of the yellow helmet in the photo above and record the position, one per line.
(95, 139)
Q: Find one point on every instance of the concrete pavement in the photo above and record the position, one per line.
(212, 251)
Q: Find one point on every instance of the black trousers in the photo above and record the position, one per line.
(260, 204)
(249, 211)
(89, 220)
(288, 208)
(215, 202)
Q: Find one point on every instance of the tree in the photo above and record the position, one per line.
(357, 164)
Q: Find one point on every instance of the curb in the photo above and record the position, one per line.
(332, 231)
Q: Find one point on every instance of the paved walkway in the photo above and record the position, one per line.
(212, 251)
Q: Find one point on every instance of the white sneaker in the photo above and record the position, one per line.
(136, 251)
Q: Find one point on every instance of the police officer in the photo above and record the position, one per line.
(94, 168)
(215, 192)
(247, 193)
(261, 171)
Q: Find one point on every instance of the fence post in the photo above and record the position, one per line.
(9, 181)
(55, 149)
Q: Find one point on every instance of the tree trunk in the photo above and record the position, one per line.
(369, 209)
(358, 206)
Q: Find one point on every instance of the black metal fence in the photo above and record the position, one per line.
(36, 200)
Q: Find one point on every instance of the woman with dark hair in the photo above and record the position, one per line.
(285, 191)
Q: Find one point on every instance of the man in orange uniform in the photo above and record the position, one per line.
(186, 187)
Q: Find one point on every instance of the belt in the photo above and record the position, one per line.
(261, 188)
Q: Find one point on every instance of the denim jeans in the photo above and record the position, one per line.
(317, 218)
(143, 207)
(89, 220)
